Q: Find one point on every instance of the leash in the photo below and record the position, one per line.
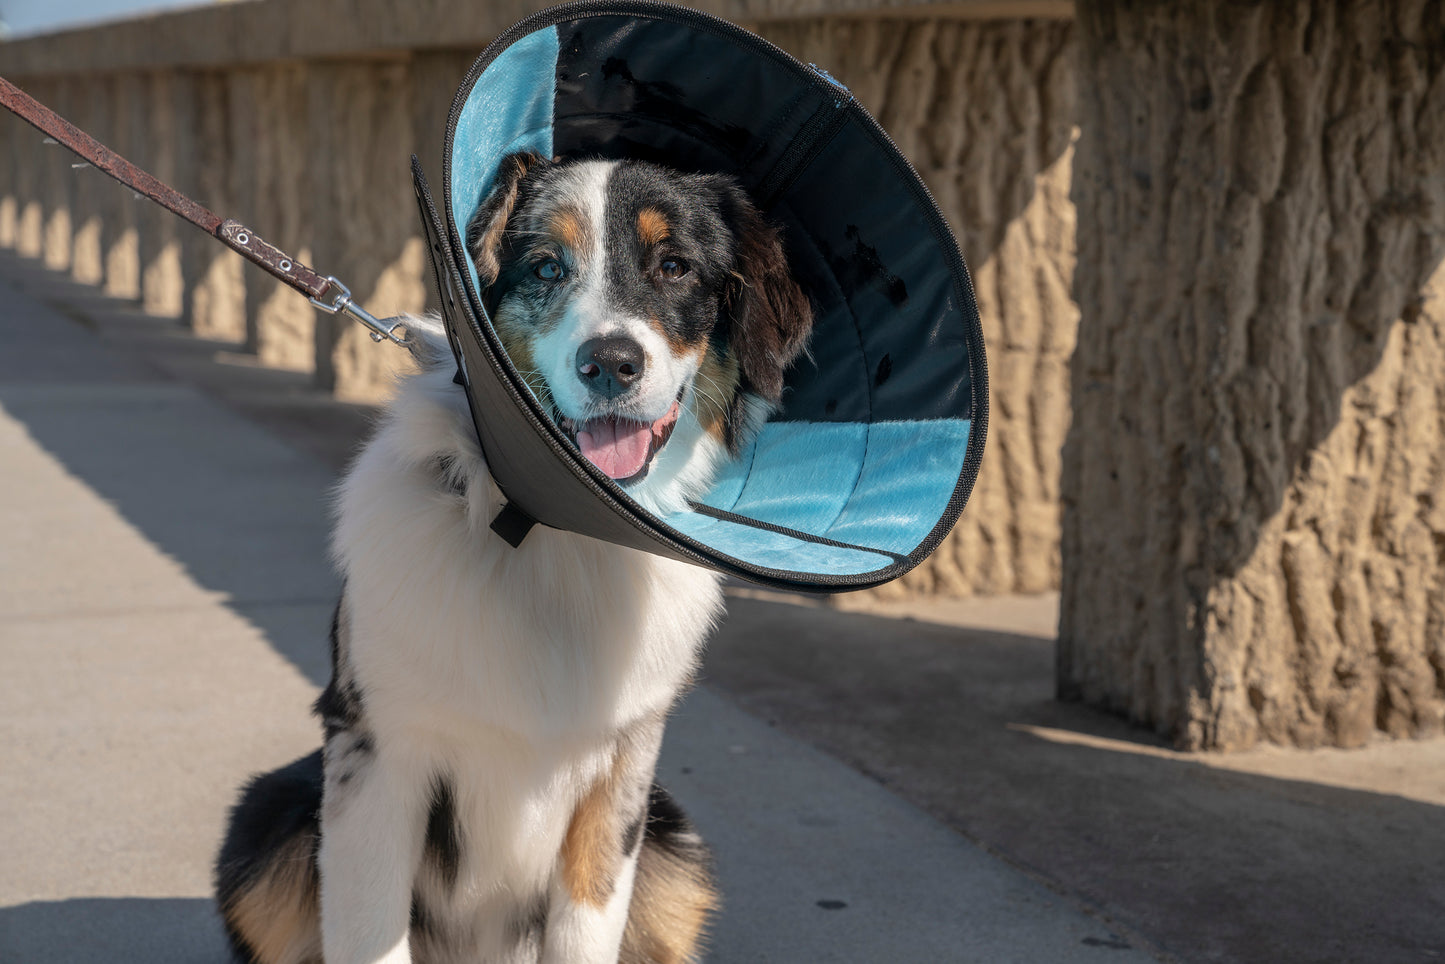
(325, 292)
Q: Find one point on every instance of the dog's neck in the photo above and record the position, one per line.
(427, 434)
(414, 542)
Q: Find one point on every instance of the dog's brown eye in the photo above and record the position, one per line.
(672, 269)
(550, 270)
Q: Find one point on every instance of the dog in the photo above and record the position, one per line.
(491, 728)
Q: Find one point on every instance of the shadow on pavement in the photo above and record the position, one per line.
(1214, 864)
(112, 930)
(245, 514)
(1211, 863)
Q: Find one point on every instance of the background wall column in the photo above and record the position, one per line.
(91, 190)
(280, 321)
(985, 111)
(57, 182)
(10, 148)
(1254, 483)
(215, 300)
(162, 286)
(375, 245)
(30, 158)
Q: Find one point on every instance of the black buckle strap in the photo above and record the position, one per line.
(512, 524)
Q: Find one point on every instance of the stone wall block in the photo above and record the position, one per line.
(1251, 538)
(89, 189)
(433, 78)
(251, 143)
(185, 147)
(122, 130)
(30, 156)
(56, 181)
(215, 293)
(54, 199)
(985, 111)
(361, 126)
(10, 134)
(281, 321)
(162, 283)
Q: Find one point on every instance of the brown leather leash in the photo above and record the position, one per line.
(325, 292)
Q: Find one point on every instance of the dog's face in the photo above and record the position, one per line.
(651, 311)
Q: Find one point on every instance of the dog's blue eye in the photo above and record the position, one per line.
(550, 270)
(673, 269)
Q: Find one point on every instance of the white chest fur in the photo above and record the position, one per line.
(511, 671)
(564, 637)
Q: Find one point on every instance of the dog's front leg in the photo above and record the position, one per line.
(591, 892)
(373, 819)
(589, 931)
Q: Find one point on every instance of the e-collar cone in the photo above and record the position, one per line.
(869, 463)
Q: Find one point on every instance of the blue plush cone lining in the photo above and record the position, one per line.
(876, 489)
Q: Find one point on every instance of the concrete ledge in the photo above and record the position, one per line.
(234, 34)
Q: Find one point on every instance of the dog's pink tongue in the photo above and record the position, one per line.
(617, 446)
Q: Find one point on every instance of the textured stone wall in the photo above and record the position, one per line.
(10, 134)
(243, 142)
(89, 190)
(55, 185)
(272, 181)
(215, 294)
(1253, 507)
(1254, 484)
(125, 106)
(25, 174)
(983, 108)
(985, 111)
(162, 285)
(364, 128)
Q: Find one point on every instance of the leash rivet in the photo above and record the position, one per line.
(243, 238)
(285, 266)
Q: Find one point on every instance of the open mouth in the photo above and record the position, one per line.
(621, 447)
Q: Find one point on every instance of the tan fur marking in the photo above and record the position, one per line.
(568, 227)
(680, 347)
(497, 207)
(652, 226)
(488, 267)
(278, 915)
(672, 901)
(592, 849)
(713, 391)
(519, 337)
(517, 340)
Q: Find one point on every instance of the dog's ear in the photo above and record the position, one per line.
(485, 230)
(769, 315)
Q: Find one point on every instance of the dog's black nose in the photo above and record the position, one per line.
(610, 366)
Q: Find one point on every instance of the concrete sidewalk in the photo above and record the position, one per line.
(893, 785)
(164, 596)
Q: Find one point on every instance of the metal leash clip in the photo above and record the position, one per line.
(341, 301)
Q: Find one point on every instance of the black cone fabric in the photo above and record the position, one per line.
(870, 460)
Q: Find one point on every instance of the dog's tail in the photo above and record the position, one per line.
(673, 894)
(267, 884)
